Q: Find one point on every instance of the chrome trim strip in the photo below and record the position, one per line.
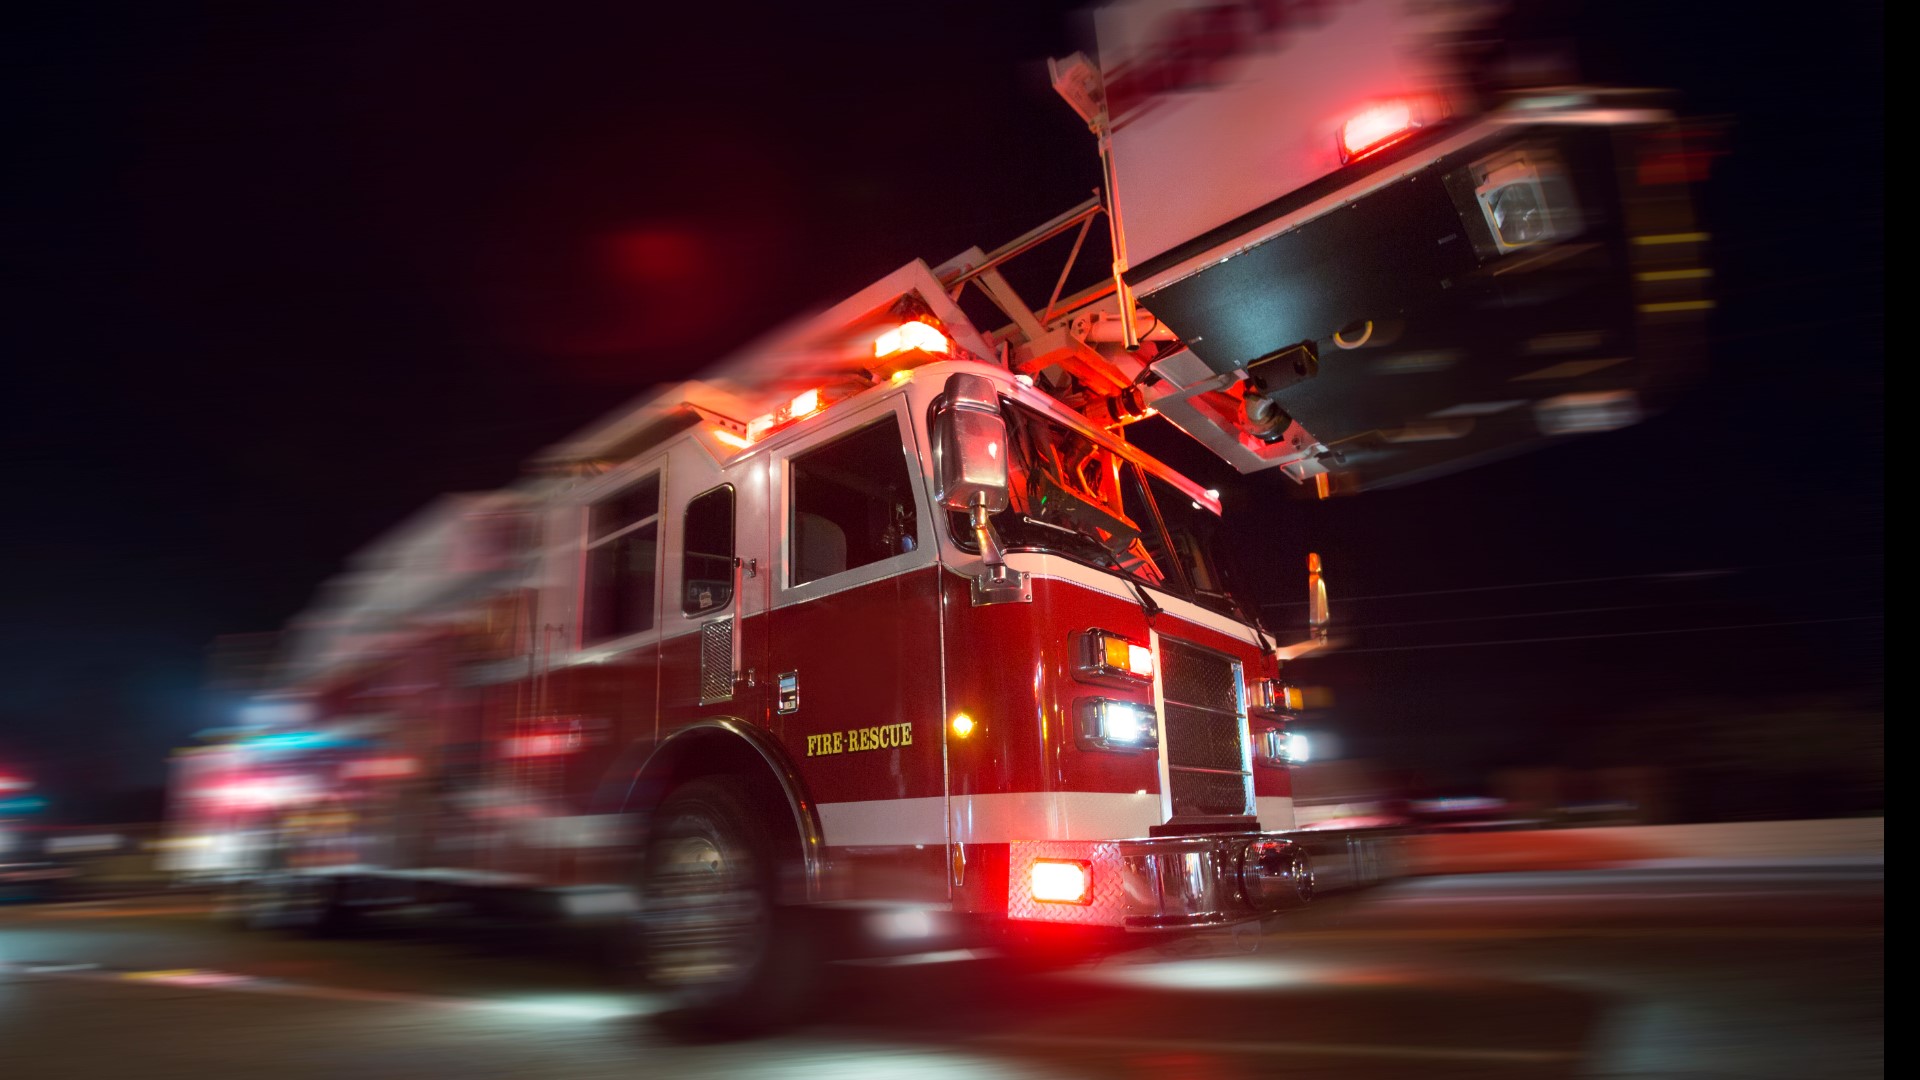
(997, 817)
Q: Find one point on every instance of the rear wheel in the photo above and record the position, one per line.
(712, 937)
(275, 900)
(277, 895)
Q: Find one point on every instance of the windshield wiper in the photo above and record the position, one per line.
(1233, 602)
(1056, 528)
(1147, 604)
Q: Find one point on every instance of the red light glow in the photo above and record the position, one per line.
(1060, 882)
(379, 768)
(258, 792)
(537, 746)
(911, 337)
(1375, 128)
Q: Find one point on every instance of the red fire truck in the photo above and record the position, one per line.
(885, 624)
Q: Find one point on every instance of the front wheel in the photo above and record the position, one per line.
(713, 939)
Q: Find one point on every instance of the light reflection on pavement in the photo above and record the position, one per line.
(1553, 975)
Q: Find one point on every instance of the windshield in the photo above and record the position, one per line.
(1070, 496)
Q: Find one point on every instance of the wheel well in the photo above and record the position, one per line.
(757, 765)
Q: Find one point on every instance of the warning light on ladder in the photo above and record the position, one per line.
(911, 337)
(1376, 128)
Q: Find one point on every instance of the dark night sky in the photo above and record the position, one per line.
(278, 274)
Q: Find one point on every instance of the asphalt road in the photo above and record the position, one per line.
(1691, 972)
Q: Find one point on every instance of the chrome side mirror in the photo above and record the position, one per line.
(969, 437)
(970, 445)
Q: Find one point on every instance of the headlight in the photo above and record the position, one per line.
(1273, 696)
(1106, 655)
(1278, 748)
(1106, 724)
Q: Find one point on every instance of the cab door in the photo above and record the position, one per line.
(854, 646)
(717, 605)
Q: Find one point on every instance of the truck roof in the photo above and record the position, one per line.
(809, 351)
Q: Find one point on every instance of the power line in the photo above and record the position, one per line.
(1673, 574)
(1620, 634)
(1513, 615)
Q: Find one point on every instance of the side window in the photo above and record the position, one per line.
(706, 569)
(852, 503)
(623, 551)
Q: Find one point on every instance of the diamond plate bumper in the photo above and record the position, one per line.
(1167, 882)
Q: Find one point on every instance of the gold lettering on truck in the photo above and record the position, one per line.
(854, 740)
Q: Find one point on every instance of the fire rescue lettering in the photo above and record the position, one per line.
(884, 737)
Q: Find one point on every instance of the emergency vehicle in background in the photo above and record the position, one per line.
(885, 624)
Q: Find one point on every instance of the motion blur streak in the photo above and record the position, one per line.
(1756, 979)
(738, 533)
(1300, 1049)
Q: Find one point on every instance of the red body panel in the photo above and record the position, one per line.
(866, 658)
(905, 653)
(1011, 668)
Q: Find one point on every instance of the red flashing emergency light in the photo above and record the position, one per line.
(911, 337)
(540, 746)
(803, 405)
(1377, 127)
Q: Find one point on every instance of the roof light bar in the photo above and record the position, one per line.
(913, 336)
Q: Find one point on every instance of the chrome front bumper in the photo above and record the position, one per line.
(1167, 882)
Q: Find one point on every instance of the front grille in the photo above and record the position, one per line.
(1197, 677)
(1206, 740)
(1203, 729)
(1208, 794)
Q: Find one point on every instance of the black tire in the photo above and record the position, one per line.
(712, 938)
